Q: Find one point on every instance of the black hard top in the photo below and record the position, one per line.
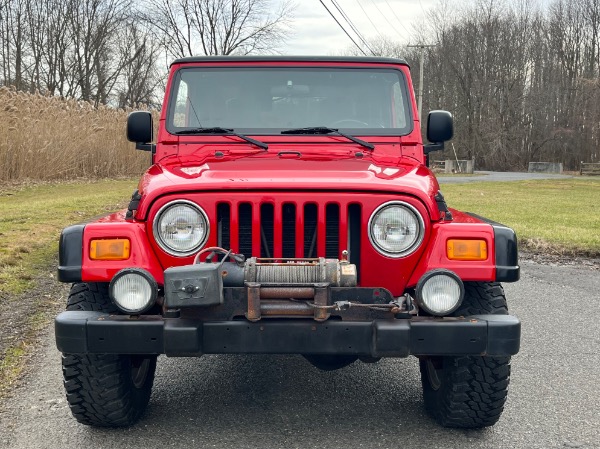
(355, 59)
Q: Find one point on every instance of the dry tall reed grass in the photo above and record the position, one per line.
(49, 138)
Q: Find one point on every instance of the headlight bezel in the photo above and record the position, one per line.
(152, 284)
(426, 278)
(157, 236)
(415, 245)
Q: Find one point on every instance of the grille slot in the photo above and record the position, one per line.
(245, 229)
(310, 230)
(300, 234)
(288, 216)
(266, 230)
(354, 233)
(224, 225)
(332, 231)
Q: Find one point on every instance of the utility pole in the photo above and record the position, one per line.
(422, 47)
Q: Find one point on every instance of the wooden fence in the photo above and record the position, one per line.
(438, 165)
(590, 169)
(453, 166)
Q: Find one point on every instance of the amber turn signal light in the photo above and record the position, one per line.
(467, 249)
(110, 249)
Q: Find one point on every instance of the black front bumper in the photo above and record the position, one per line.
(99, 333)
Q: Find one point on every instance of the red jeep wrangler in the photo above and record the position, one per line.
(288, 210)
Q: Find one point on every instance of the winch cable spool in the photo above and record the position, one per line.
(288, 274)
(272, 283)
(300, 272)
(280, 272)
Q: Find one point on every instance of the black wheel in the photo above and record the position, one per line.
(105, 390)
(468, 392)
(330, 362)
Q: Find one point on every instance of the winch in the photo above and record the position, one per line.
(276, 281)
(334, 272)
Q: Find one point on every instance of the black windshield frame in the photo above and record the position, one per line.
(362, 131)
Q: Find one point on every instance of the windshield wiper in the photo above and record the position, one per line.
(325, 130)
(226, 131)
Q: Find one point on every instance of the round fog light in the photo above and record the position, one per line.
(133, 290)
(440, 292)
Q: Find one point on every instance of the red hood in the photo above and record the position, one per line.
(267, 171)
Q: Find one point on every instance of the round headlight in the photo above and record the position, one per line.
(396, 229)
(440, 292)
(181, 228)
(133, 290)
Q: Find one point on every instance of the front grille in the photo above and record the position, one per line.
(289, 229)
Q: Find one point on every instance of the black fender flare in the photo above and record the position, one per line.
(506, 250)
(70, 253)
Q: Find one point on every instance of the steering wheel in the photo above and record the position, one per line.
(351, 123)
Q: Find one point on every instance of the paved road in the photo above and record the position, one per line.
(283, 402)
(496, 176)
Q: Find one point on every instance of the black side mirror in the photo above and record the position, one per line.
(139, 130)
(440, 128)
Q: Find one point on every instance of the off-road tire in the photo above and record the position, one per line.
(105, 390)
(468, 392)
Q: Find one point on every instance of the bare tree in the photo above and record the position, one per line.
(50, 41)
(219, 27)
(81, 49)
(140, 78)
(520, 77)
(94, 24)
(4, 44)
(13, 38)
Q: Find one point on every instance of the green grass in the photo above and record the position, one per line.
(31, 218)
(10, 363)
(550, 216)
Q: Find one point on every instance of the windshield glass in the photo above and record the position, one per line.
(270, 100)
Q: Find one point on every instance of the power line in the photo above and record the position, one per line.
(389, 6)
(385, 17)
(367, 16)
(352, 26)
(397, 18)
(343, 29)
(349, 22)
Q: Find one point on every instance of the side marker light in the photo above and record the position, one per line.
(466, 249)
(110, 249)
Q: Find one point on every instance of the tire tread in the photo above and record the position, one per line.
(473, 389)
(99, 389)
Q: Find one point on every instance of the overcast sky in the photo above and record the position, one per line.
(316, 33)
